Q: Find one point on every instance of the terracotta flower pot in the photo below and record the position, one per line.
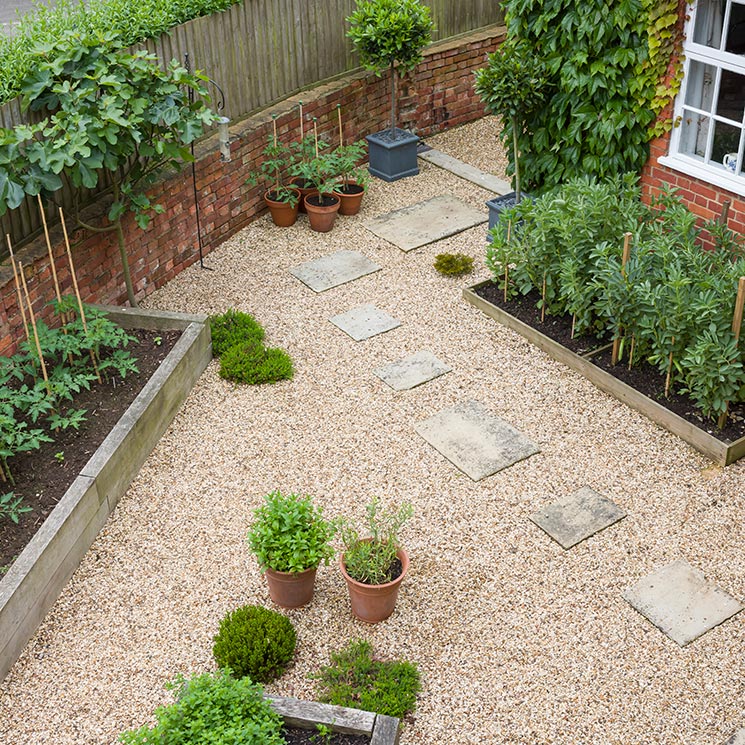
(322, 216)
(373, 603)
(305, 189)
(350, 196)
(283, 215)
(291, 589)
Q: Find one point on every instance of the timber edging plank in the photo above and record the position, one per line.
(36, 578)
(721, 452)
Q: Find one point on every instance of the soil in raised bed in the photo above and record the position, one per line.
(642, 377)
(298, 736)
(43, 476)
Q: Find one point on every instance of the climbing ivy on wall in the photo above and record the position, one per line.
(606, 59)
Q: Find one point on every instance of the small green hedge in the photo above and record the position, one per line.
(131, 21)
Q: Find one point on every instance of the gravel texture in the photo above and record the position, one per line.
(517, 640)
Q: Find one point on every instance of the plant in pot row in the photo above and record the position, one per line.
(290, 538)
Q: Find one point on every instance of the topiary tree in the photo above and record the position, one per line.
(386, 33)
(107, 113)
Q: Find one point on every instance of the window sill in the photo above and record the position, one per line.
(711, 176)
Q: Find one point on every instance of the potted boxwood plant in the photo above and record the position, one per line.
(290, 538)
(353, 179)
(281, 199)
(375, 566)
(320, 204)
(513, 85)
(390, 35)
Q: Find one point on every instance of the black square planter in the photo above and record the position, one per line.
(497, 205)
(393, 154)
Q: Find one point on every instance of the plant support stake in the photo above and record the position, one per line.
(736, 329)
(18, 288)
(624, 261)
(341, 135)
(36, 333)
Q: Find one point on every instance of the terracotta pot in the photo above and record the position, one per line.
(350, 200)
(322, 218)
(373, 603)
(291, 589)
(305, 190)
(283, 215)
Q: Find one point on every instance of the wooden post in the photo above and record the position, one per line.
(624, 260)
(341, 131)
(18, 288)
(736, 329)
(36, 333)
(725, 212)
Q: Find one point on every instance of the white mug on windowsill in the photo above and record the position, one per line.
(730, 162)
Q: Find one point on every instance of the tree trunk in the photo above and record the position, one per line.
(125, 264)
(393, 98)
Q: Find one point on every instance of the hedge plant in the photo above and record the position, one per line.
(671, 306)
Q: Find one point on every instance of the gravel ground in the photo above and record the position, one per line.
(517, 640)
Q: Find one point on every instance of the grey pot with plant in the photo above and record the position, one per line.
(513, 85)
(374, 565)
(290, 538)
(389, 35)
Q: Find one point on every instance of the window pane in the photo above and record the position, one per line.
(709, 21)
(694, 133)
(731, 101)
(726, 142)
(700, 85)
(736, 30)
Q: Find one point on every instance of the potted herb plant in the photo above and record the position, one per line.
(390, 35)
(281, 199)
(290, 538)
(352, 178)
(320, 204)
(513, 85)
(375, 566)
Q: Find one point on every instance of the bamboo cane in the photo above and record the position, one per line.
(624, 260)
(302, 133)
(736, 329)
(669, 375)
(49, 249)
(274, 128)
(341, 135)
(36, 332)
(18, 288)
(543, 298)
(315, 133)
(631, 351)
(507, 264)
(574, 320)
(74, 276)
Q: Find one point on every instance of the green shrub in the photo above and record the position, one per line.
(290, 533)
(231, 328)
(357, 680)
(212, 708)
(254, 364)
(453, 265)
(255, 642)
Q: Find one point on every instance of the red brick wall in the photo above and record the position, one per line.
(437, 95)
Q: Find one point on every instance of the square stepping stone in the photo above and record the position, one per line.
(412, 371)
(577, 516)
(738, 738)
(334, 270)
(474, 440)
(364, 322)
(680, 602)
(426, 222)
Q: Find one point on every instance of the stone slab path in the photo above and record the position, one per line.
(474, 440)
(418, 368)
(466, 171)
(333, 270)
(576, 516)
(426, 222)
(680, 602)
(738, 738)
(365, 322)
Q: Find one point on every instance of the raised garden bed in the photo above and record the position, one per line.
(722, 449)
(33, 582)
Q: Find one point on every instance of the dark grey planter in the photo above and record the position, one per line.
(393, 154)
(499, 204)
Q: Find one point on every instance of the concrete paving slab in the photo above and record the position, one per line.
(577, 516)
(333, 270)
(474, 440)
(426, 222)
(680, 602)
(418, 368)
(365, 322)
(466, 171)
(738, 738)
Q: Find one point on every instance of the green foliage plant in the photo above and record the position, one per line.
(277, 161)
(453, 265)
(357, 680)
(372, 561)
(319, 172)
(290, 533)
(212, 709)
(132, 22)
(105, 111)
(12, 507)
(251, 363)
(390, 35)
(513, 85)
(231, 328)
(255, 642)
(347, 167)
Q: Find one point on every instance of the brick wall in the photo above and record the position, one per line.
(438, 94)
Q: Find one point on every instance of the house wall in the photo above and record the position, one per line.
(438, 94)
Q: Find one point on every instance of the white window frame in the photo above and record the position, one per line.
(680, 161)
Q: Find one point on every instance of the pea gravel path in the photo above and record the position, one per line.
(518, 640)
